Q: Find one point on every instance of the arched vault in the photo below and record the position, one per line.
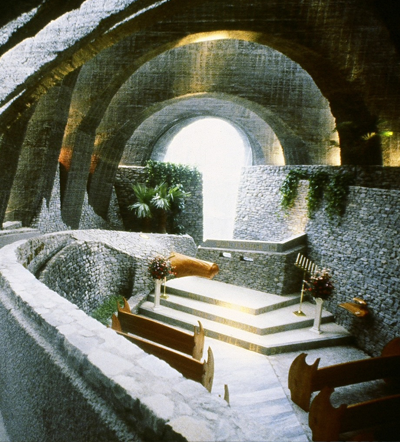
(224, 69)
(348, 48)
(151, 138)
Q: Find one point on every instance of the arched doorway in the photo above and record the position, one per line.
(219, 150)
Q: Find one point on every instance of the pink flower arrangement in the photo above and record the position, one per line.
(160, 268)
(319, 284)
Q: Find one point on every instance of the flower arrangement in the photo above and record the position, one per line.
(160, 268)
(320, 284)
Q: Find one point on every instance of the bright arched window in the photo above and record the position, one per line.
(219, 150)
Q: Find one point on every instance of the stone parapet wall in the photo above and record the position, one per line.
(87, 273)
(265, 271)
(259, 265)
(88, 266)
(362, 250)
(102, 387)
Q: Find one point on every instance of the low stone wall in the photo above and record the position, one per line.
(87, 266)
(361, 249)
(267, 267)
(66, 377)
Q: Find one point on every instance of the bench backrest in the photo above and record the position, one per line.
(191, 344)
(202, 372)
(327, 422)
(304, 379)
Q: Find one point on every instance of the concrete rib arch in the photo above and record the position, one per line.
(165, 123)
(177, 73)
(346, 77)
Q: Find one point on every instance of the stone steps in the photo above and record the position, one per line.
(262, 322)
(274, 321)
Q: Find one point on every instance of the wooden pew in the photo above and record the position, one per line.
(189, 367)
(304, 379)
(191, 344)
(365, 420)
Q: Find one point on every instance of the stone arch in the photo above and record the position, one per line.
(130, 106)
(280, 16)
(332, 46)
(165, 123)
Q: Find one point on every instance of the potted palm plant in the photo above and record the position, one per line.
(167, 201)
(143, 206)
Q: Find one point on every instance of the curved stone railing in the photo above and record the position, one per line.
(65, 376)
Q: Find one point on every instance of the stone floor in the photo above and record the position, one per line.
(258, 390)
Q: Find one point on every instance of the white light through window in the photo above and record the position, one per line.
(219, 151)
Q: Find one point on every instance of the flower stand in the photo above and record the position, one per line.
(318, 314)
(157, 293)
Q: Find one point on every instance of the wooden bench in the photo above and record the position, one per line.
(368, 420)
(189, 367)
(305, 379)
(191, 344)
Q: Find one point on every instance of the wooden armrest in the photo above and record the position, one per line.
(304, 379)
(328, 422)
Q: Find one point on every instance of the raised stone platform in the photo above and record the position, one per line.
(255, 246)
(261, 322)
(266, 266)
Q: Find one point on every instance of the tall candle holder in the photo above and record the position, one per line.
(308, 267)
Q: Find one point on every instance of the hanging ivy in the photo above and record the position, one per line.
(334, 187)
(318, 183)
(289, 188)
(336, 193)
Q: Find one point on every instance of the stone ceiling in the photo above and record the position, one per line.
(86, 85)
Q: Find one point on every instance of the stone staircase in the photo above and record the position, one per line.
(261, 322)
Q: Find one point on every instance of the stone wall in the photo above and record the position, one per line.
(191, 218)
(66, 377)
(362, 250)
(248, 265)
(87, 266)
(86, 273)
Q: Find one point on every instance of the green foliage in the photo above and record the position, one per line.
(172, 174)
(318, 182)
(289, 188)
(163, 194)
(334, 187)
(104, 312)
(144, 197)
(336, 193)
(161, 199)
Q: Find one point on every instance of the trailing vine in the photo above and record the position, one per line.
(337, 190)
(289, 188)
(334, 187)
(318, 183)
